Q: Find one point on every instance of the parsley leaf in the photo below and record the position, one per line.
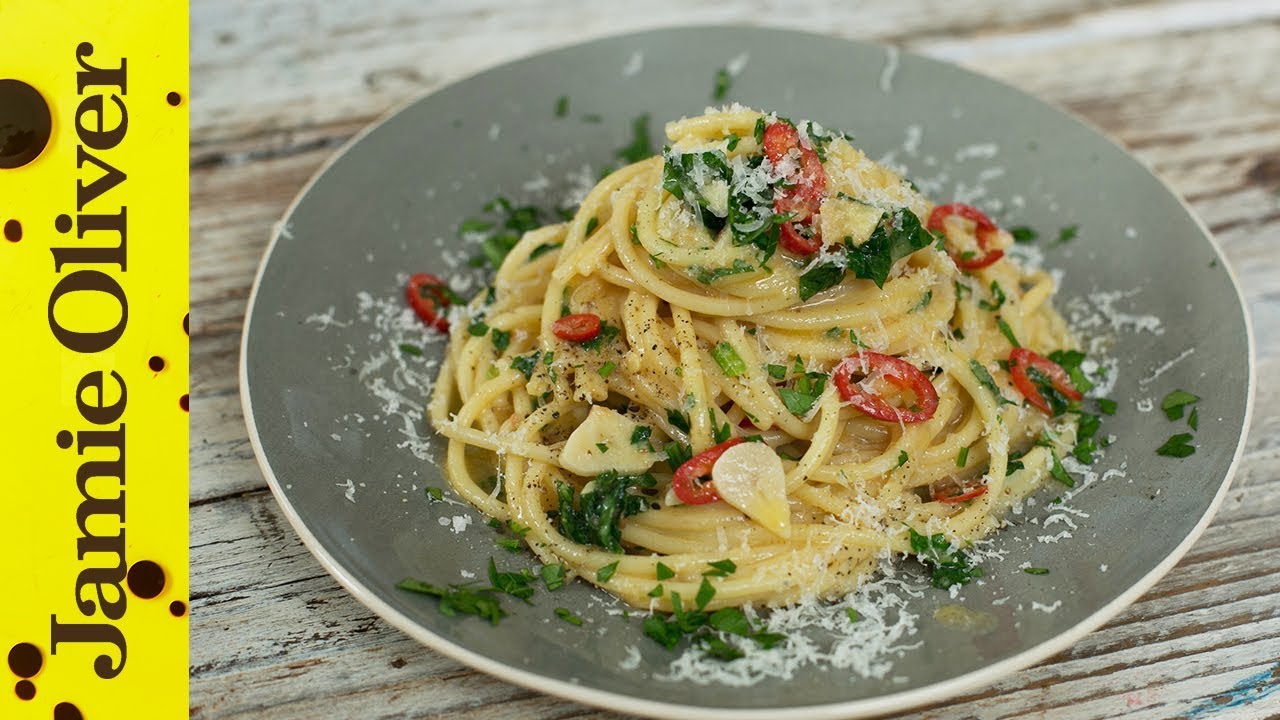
(639, 149)
(1178, 446)
(553, 576)
(988, 382)
(526, 363)
(727, 358)
(501, 339)
(819, 278)
(596, 519)
(459, 600)
(1023, 234)
(604, 572)
(1174, 403)
(947, 566)
(567, 615)
(896, 236)
(723, 82)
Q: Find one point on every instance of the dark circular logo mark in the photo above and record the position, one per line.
(156, 363)
(64, 439)
(25, 660)
(185, 403)
(62, 223)
(25, 123)
(145, 579)
(25, 689)
(66, 711)
(173, 99)
(177, 608)
(13, 231)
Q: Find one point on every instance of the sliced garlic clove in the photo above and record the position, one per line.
(749, 476)
(603, 442)
(845, 218)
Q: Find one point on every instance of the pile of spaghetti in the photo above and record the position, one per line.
(761, 347)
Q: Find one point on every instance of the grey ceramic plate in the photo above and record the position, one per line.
(389, 203)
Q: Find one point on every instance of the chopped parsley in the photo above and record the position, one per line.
(1068, 233)
(902, 458)
(1070, 360)
(947, 565)
(478, 328)
(727, 358)
(677, 454)
(515, 584)
(641, 434)
(562, 106)
(1107, 406)
(924, 302)
(805, 391)
(822, 277)
(553, 576)
(896, 236)
(678, 420)
(1178, 446)
(662, 572)
(1059, 473)
(501, 235)
(567, 615)
(777, 372)
(1175, 402)
(592, 224)
(732, 142)
(608, 333)
(607, 369)
(459, 600)
(685, 175)
(1007, 332)
(1036, 571)
(988, 382)
(706, 591)
(997, 298)
(602, 447)
(962, 458)
(526, 363)
(1023, 234)
(501, 339)
(706, 276)
(408, 349)
(604, 572)
(434, 494)
(595, 521)
(851, 614)
(1086, 438)
(723, 82)
(639, 148)
(721, 568)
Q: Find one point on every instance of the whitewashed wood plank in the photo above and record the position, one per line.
(356, 59)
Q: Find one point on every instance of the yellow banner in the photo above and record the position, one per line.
(94, 358)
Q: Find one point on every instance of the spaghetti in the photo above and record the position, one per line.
(763, 347)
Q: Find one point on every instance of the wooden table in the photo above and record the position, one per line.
(277, 85)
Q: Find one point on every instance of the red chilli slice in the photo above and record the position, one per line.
(951, 490)
(425, 294)
(577, 328)
(1021, 359)
(898, 372)
(806, 186)
(688, 482)
(986, 230)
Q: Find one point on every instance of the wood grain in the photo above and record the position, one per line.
(279, 84)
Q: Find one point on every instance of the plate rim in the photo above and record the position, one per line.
(619, 702)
